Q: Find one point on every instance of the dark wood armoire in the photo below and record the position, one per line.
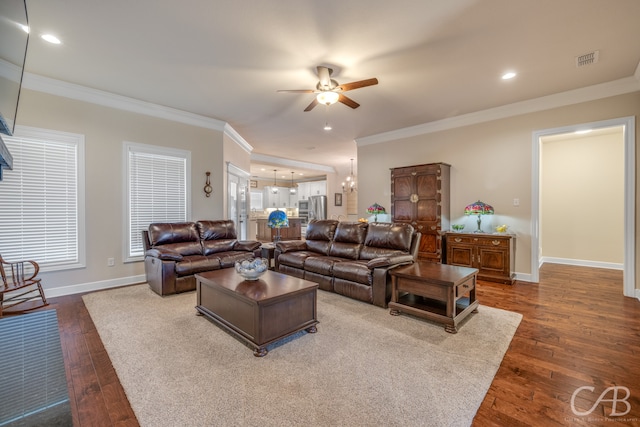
(420, 196)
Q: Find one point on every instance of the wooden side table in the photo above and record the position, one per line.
(439, 292)
(267, 251)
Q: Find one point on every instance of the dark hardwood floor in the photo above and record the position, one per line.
(578, 330)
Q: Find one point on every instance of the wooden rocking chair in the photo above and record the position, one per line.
(20, 291)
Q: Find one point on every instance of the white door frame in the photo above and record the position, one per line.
(629, 277)
(242, 197)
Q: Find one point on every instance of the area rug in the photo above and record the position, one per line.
(363, 367)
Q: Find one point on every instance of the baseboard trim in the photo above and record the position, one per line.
(94, 286)
(582, 263)
(523, 277)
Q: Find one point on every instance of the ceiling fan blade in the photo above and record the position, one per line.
(298, 91)
(357, 85)
(324, 75)
(312, 105)
(348, 101)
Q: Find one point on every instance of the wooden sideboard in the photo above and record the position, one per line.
(266, 234)
(492, 254)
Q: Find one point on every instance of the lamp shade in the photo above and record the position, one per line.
(375, 209)
(478, 208)
(277, 219)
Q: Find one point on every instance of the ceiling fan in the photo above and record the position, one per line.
(330, 91)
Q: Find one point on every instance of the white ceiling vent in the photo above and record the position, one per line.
(587, 58)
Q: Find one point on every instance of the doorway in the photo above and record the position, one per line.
(628, 126)
(237, 199)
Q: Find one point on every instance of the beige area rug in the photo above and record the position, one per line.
(363, 367)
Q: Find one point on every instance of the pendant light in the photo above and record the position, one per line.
(292, 190)
(274, 189)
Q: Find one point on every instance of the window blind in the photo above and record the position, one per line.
(39, 215)
(157, 190)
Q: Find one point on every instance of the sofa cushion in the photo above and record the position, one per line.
(348, 239)
(228, 259)
(214, 246)
(296, 259)
(217, 230)
(386, 239)
(246, 245)
(319, 235)
(196, 264)
(321, 264)
(181, 237)
(353, 271)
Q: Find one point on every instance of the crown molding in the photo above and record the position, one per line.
(263, 158)
(590, 93)
(237, 138)
(119, 102)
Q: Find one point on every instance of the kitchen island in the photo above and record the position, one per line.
(266, 234)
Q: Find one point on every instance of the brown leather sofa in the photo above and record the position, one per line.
(174, 252)
(350, 258)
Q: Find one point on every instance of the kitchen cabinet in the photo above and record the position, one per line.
(266, 234)
(318, 188)
(293, 199)
(277, 200)
(492, 254)
(311, 188)
(420, 197)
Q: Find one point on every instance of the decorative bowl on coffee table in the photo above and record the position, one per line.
(251, 269)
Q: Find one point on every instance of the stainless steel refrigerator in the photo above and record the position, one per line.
(317, 207)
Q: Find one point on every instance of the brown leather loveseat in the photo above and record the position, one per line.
(174, 252)
(350, 258)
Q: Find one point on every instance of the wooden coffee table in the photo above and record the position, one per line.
(439, 292)
(258, 312)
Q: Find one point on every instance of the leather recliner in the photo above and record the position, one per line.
(174, 252)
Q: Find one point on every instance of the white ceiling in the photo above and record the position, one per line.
(434, 59)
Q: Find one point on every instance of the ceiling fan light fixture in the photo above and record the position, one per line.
(328, 97)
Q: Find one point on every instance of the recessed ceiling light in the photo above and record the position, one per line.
(51, 38)
(327, 126)
(509, 75)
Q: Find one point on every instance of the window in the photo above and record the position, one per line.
(157, 190)
(42, 214)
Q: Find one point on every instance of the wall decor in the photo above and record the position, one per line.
(337, 199)
(253, 184)
(207, 185)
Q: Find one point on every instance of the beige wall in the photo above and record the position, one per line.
(490, 161)
(582, 198)
(104, 130)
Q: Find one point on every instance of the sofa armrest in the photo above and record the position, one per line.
(246, 245)
(390, 261)
(291, 246)
(164, 254)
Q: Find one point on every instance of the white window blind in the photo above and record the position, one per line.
(40, 214)
(157, 190)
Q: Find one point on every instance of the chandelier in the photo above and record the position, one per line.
(350, 184)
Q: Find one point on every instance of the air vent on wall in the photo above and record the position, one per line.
(587, 58)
